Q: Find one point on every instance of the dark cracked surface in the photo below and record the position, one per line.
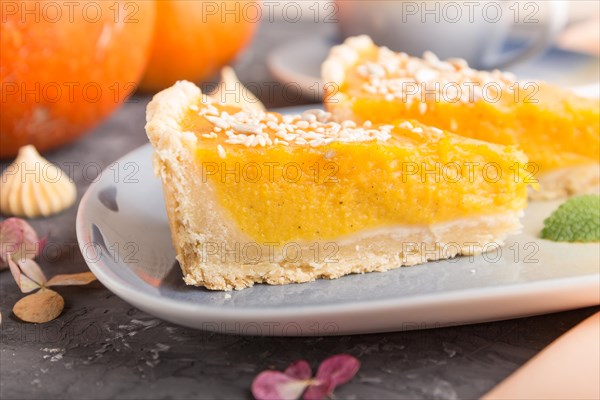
(100, 347)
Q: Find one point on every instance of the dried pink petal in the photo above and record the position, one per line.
(25, 284)
(18, 238)
(32, 270)
(39, 307)
(15, 271)
(82, 278)
(290, 384)
(276, 385)
(299, 370)
(11, 237)
(332, 372)
(319, 390)
(340, 368)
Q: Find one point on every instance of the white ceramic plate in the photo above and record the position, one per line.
(123, 234)
(299, 63)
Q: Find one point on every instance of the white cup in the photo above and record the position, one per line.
(476, 30)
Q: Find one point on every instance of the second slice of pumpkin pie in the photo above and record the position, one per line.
(557, 129)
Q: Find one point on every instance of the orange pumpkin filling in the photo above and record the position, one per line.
(283, 178)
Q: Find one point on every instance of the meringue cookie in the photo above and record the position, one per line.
(34, 187)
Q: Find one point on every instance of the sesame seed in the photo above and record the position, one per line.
(302, 124)
(221, 151)
(218, 122)
(249, 140)
(425, 75)
(375, 70)
(406, 125)
(453, 124)
(211, 110)
(370, 88)
(329, 154)
(362, 70)
(431, 57)
(262, 141)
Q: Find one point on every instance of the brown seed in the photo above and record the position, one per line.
(39, 307)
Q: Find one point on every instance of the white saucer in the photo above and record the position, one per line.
(299, 63)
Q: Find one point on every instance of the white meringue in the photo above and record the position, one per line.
(33, 187)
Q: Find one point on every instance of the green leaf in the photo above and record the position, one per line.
(576, 220)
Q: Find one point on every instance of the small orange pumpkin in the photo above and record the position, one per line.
(194, 39)
(65, 66)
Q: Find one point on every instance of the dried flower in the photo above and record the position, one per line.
(45, 304)
(19, 244)
(296, 379)
(19, 239)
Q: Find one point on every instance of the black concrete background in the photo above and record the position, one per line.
(101, 347)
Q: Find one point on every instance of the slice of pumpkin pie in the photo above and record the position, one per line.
(259, 197)
(558, 130)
